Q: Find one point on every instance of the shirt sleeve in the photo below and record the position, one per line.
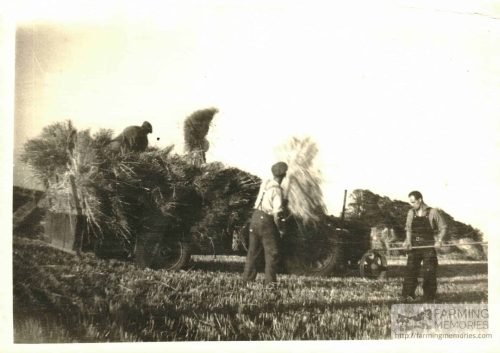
(277, 200)
(438, 220)
(409, 220)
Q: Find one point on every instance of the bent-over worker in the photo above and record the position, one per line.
(132, 139)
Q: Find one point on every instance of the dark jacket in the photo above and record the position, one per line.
(132, 139)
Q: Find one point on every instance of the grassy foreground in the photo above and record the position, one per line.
(59, 297)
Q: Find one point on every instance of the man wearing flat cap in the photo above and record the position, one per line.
(132, 139)
(265, 228)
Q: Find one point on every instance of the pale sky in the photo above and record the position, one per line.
(399, 95)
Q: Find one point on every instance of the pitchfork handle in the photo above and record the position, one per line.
(444, 245)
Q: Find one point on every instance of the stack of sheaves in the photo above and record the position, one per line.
(228, 198)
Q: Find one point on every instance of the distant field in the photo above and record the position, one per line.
(61, 298)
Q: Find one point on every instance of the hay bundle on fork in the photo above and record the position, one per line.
(302, 185)
(196, 128)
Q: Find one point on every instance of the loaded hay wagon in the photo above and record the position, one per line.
(158, 208)
(157, 237)
(322, 249)
(214, 222)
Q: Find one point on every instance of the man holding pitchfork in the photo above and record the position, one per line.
(425, 226)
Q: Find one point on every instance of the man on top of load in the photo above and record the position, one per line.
(132, 139)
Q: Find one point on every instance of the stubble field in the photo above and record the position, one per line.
(59, 297)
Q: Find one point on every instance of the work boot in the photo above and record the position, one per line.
(409, 299)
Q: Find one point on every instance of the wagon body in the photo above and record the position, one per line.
(64, 230)
(323, 252)
(327, 247)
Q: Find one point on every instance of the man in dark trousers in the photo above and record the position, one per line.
(132, 139)
(425, 226)
(265, 228)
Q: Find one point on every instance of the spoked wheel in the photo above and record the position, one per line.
(373, 264)
(172, 255)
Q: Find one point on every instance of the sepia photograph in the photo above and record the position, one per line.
(274, 171)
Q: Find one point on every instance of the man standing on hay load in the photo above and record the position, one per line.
(265, 228)
(424, 227)
(132, 139)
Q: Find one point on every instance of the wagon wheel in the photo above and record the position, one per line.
(324, 262)
(373, 264)
(322, 259)
(173, 255)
